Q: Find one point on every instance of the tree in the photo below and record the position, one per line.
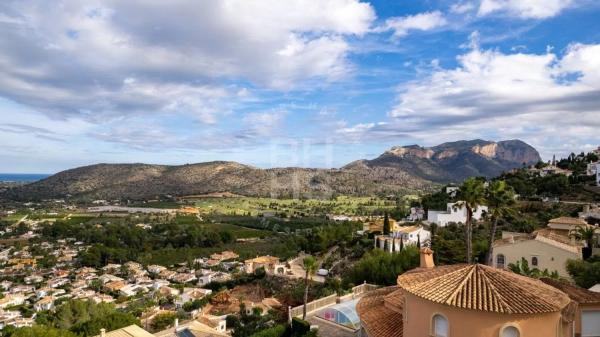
(162, 321)
(418, 240)
(378, 267)
(386, 224)
(246, 324)
(472, 194)
(310, 267)
(42, 331)
(585, 273)
(500, 199)
(587, 234)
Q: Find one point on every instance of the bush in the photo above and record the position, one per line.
(300, 327)
(162, 321)
(585, 273)
(276, 331)
(382, 268)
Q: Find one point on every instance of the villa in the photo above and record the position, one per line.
(545, 249)
(466, 301)
(454, 213)
(409, 235)
(271, 265)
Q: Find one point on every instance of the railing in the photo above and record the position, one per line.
(331, 299)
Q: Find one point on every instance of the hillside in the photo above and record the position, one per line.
(455, 161)
(400, 169)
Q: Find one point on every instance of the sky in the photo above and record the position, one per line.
(270, 83)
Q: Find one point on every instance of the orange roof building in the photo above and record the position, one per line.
(466, 301)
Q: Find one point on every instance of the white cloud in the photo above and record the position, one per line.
(422, 21)
(537, 9)
(462, 7)
(76, 58)
(549, 100)
(263, 123)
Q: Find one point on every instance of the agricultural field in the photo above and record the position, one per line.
(297, 207)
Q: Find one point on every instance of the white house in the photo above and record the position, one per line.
(454, 213)
(410, 235)
(46, 303)
(416, 214)
(191, 294)
(132, 290)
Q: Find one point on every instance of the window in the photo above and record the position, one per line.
(534, 261)
(500, 261)
(439, 326)
(510, 331)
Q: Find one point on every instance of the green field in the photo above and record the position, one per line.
(293, 207)
(238, 231)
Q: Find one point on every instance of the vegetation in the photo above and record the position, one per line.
(588, 235)
(163, 321)
(471, 195)
(379, 267)
(246, 324)
(77, 318)
(310, 266)
(586, 274)
(522, 268)
(500, 199)
(37, 331)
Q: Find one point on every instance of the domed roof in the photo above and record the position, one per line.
(483, 288)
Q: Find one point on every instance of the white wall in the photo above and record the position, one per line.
(452, 214)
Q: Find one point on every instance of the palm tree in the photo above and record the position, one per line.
(587, 234)
(310, 266)
(500, 199)
(472, 195)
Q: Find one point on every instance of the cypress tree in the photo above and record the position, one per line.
(386, 224)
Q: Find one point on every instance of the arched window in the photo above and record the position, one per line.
(534, 261)
(439, 326)
(510, 331)
(500, 261)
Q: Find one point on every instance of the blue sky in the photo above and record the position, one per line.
(290, 83)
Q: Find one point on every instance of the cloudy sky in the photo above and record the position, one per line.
(296, 82)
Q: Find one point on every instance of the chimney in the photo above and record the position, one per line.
(102, 332)
(426, 258)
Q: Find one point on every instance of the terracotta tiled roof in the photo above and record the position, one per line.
(129, 331)
(483, 288)
(376, 317)
(558, 236)
(568, 221)
(577, 294)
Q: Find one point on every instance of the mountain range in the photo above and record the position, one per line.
(399, 169)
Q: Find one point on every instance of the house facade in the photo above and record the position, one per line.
(454, 213)
(545, 249)
(409, 235)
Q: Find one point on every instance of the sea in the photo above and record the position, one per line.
(22, 177)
